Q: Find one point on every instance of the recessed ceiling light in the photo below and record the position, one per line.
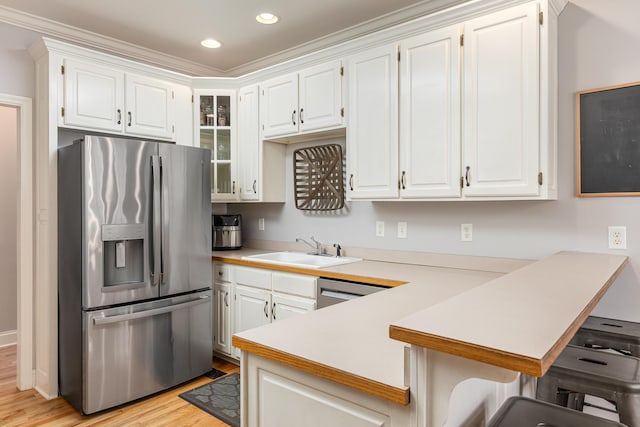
(211, 43)
(267, 18)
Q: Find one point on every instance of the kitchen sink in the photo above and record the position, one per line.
(299, 259)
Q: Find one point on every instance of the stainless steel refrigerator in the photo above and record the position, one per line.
(134, 269)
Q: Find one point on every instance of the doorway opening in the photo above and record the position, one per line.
(17, 146)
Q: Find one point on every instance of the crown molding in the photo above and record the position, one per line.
(400, 16)
(93, 40)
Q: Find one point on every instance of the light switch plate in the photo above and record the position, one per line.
(402, 230)
(466, 232)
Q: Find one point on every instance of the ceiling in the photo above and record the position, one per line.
(168, 33)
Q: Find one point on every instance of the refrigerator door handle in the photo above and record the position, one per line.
(163, 222)
(106, 320)
(157, 220)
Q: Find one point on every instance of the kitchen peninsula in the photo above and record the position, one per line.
(350, 364)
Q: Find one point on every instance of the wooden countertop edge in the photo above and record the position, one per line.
(528, 365)
(311, 272)
(368, 386)
(491, 356)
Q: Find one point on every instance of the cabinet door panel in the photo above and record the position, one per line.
(285, 306)
(430, 115)
(93, 96)
(222, 317)
(252, 308)
(149, 107)
(249, 143)
(372, 134)
(320, 97)
(279, 109)
(501, 95)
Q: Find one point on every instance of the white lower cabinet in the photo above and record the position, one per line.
(247, 297)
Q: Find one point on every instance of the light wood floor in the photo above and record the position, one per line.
(29, 408)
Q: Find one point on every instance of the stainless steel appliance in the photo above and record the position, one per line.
(334, 291)
(226, 231)
(134, 269)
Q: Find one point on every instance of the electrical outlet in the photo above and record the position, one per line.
(402, 230)
(466, 232)
(618, 237)
(261, 224)
(379, 228)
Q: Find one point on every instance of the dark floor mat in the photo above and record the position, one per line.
(220, 398)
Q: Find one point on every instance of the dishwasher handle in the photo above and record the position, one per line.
(346, 296)
(106, 320)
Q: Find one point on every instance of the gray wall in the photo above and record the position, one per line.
(17, 72)
(8, 218)
(598, 46)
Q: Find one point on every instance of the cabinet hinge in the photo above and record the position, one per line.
(262, 92)
(173, 95)
(262, 127)
(193, 99)
(342, 112)
(541, 18)
(461, 182)
(239, 99)
(62, 111)
(342, 71)
(62, 69)
(173, 129)
(461, 39)
(398, 56)
(540, 178)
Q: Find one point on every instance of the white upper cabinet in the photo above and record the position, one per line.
(310, 100)
(320, 97)
(501, 103)
(149, 107)
(280, 106)
(430, 115)
(107, 99)
(476, 112)
(93, 96)
(249, 143)
(372, 133)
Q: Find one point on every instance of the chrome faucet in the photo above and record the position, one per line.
(317, 246)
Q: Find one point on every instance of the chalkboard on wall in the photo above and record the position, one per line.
(608, 141)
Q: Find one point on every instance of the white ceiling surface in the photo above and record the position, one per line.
(174, 29)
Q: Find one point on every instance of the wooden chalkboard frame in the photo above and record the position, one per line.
(599, 148)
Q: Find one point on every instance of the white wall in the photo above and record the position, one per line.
(598, 46)
(8, 218)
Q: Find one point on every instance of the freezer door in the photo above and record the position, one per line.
(186, 219)
(116, 217)
(136, 350)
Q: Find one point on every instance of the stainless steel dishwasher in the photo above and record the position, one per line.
(333, 291)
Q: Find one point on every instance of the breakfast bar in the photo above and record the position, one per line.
(394, 358)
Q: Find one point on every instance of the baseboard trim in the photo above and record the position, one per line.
(8, 338)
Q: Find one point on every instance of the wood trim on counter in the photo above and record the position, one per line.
(310, 271)
(374, 388)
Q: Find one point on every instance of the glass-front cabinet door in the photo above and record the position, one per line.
(215, 122)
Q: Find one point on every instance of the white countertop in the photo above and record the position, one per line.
(521, 318)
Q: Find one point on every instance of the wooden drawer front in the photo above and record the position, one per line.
(295, 284)
(254, 277)
(222, 272)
